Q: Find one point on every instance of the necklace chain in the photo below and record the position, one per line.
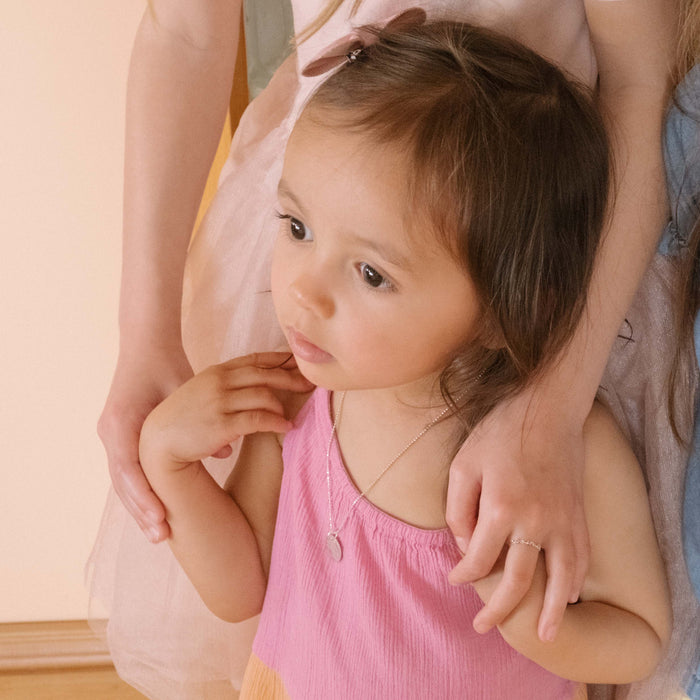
(332, 536)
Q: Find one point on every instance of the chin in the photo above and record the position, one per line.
(325, 377)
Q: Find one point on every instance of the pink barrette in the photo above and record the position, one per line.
(348, 49)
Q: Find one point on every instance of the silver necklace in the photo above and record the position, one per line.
(335, 549)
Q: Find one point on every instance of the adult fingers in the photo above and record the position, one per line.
(560, 572)
(485, 546)
(582, 553)
(142, 503)
(519, 569)
(463, 491)
(567, 563)
(120, 440)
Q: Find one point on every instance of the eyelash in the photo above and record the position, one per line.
(386, 285)
(291, 220)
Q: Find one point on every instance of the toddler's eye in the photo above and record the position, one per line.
(299, 231)
(372, 277)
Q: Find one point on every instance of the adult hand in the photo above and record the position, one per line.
(519, 476)
(141, 381)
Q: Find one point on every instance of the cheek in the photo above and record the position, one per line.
(277, 276)
(375, 334)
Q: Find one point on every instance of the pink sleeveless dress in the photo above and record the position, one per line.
(383, 622)
(162, 638)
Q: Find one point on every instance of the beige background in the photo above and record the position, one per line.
(63, 66)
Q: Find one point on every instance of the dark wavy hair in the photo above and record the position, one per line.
(509, 164)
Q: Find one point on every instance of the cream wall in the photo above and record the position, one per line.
(63, 67)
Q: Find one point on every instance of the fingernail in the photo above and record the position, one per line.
(481, 627)
(152, 534)
(548, 634)
(462, 544)
(152, 516)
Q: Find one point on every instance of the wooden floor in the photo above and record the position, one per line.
(66, 684)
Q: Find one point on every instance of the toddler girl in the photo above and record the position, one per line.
(440, 204)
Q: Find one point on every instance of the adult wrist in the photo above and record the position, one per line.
(566, 392)
(150, 326)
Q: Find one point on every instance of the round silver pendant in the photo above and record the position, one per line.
(333, 545)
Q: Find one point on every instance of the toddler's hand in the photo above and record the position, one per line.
(218, 406)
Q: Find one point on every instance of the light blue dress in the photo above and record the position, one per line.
(682, 154)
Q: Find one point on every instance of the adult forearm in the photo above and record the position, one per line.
(638, 213)
(634, 45)
(179, 83)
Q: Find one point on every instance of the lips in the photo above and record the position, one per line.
(304, 349)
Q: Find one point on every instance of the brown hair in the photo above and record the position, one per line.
(510, 165)
(687, 304)
(688, 37)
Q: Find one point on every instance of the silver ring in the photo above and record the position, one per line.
(529, 543)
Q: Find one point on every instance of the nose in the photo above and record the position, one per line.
(312, 293)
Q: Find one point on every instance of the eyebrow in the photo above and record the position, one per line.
(389, 253)
(284, 190)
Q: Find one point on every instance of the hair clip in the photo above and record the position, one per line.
(348, 49)
(351, 56)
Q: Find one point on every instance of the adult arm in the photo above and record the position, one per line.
(519, 474)
(619, 629)
(178, 89)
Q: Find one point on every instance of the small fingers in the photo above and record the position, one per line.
(520, 565)
(223, 453)
(250, 398)
(255, 421)
(264, 363)
(264, 360)
(284, 379)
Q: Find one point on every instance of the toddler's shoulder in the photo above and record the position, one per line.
(613, 480)
(601, 425)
